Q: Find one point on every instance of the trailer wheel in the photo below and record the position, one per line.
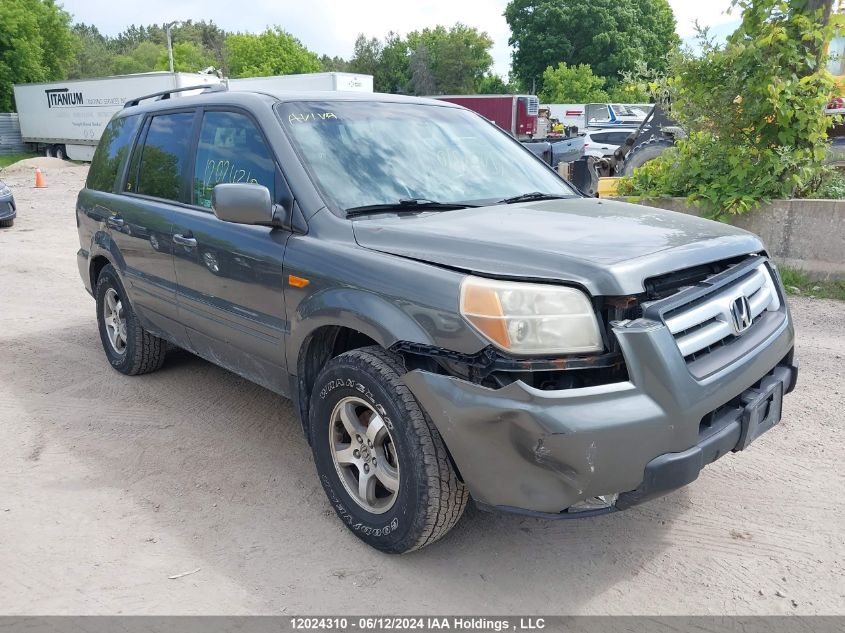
(645, 152)
(60, 152)
(48, 151)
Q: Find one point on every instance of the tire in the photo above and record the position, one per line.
(60, 152)
(5, 224)
(429, 498)
(133, 350)
(49, 151)
(645, 152)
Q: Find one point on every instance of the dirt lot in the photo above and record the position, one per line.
(109, 484)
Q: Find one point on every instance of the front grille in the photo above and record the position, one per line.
(708, 322)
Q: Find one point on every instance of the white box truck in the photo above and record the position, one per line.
(318, 82)
(67, 118)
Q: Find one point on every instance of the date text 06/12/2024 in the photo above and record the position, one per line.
(453, 623)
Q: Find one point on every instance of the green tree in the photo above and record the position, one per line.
(366, 56)
(93, 57)
(36, 44)
(572, 84)
(754, 110)
(458, 57)
(187, 57)
(209, 38)
(141, 59)
(492, 84)
(273, 52)
(422, 78)
(388, 62)
(610, 36)
(334, 64)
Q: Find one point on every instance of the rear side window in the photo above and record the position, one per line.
(616, 138)
(112, 150)
(231, 149)
(163, 157)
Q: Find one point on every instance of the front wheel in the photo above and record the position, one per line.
(381, 461)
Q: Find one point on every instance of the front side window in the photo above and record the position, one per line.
(163, 157)
(111, 151)
(231, 149)
(363, 153)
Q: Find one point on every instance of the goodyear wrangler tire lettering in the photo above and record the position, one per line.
(381, 461)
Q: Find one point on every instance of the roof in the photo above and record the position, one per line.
(255, 98)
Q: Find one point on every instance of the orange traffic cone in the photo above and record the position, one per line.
(39, 179)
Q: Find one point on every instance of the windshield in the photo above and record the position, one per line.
(367, 153)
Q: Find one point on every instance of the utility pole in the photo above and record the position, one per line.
(167, 28)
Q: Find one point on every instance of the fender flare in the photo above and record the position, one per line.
(370, 314)
(103, 246)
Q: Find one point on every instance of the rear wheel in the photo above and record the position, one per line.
(4, 224)
(129, 347)
(380, 459)
(60, 152)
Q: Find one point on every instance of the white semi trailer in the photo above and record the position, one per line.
(67, 118)
(318, 82)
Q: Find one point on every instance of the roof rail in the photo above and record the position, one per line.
(165, 94)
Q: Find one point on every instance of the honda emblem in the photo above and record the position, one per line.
(741, 313)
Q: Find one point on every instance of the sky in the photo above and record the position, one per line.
(331, 26)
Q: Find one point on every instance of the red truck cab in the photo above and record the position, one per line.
(515, 113)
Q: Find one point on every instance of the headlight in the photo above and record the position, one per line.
(526, 318)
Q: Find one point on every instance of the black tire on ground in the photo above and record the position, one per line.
(5, 224)
(645, 152)
(60, 152)
(49, 151)
(430, 498)
(143, 351)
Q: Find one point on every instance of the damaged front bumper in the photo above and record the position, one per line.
(550, 453)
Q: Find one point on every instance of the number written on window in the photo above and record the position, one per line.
(231, 149)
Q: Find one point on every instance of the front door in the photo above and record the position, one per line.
(229, 276)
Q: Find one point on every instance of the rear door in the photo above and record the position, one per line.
(229, 276)
(599, 143)
(154, 186)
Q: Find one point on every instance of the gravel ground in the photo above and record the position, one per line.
(109, 485)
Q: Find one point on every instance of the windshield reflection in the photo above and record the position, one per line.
(365, 153)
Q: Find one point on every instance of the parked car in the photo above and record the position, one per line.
(597, 115)
(601, 143)
(450, 318)
(8, 210)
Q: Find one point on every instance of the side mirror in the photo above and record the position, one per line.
(242, 203)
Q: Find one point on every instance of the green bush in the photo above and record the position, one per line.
(831, 185)
(754, 112)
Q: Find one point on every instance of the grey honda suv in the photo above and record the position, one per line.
(450, 318)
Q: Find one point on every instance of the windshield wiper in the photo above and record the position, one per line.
(407, 204)
(534, 195)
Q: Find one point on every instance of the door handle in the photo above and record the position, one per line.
(184, 240)
(115, 221)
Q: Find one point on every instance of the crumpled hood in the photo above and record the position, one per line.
(608, 247)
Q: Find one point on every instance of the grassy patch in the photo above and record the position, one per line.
(8, 159)
(797, 282)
